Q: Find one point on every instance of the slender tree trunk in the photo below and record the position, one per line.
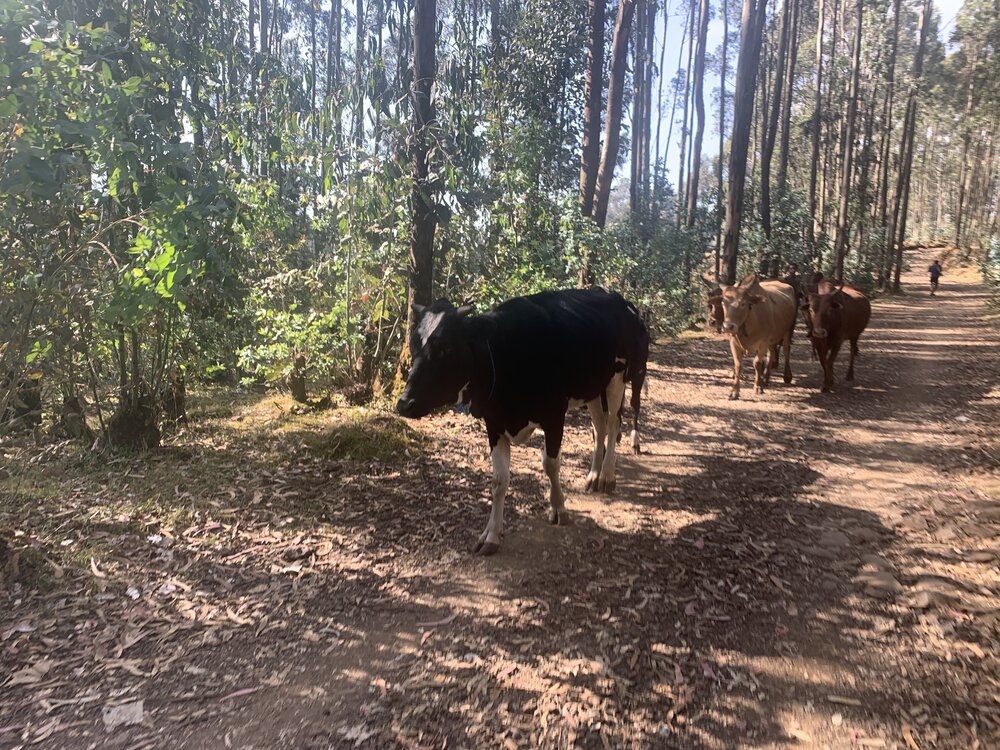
(963, 164)
(843, 223)
(752, 27)
(898, 225)
(699, 103)
(638, 100)
(359, 71)
(613, 124)
(593, 88)
(786, 102)
(815, 225)
(885, 150)
(774, 112)
(422, 220)
(659, 95)
(720, 188)
(681, 185)
(647, 129)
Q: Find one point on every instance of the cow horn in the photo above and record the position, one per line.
(465, 310)
(749, 279)
(418, 310)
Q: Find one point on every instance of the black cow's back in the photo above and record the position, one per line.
(563, 344)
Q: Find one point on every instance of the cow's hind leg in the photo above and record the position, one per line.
(489, 540)
(787, 344)
(615, 393)
(600, 422)
(550, 462)
(761, 367)
(850, 362)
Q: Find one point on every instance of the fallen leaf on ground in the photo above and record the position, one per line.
(240, 693)
(436, 623)
(843, 701)
(125, 714)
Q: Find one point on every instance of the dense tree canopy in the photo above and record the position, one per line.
(229, 187)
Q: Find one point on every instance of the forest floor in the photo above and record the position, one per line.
(791, 570)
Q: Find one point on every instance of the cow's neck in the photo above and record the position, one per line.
(482, 387)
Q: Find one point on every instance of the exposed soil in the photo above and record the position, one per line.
(791, 570)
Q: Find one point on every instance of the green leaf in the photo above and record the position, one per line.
(8, 106)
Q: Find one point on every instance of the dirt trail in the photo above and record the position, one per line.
(791, 570)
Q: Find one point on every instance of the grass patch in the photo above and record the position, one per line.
(366, 436)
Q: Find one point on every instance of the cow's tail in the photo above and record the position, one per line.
(637, 380)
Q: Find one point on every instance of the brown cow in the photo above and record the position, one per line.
(713, 305)
(758, 316)
(836, 314)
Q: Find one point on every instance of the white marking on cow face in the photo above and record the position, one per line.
(428, 324)
(461, 395)
(522, 437)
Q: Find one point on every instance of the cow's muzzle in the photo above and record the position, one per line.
(818, 333)
(406, 407)
(728, 327)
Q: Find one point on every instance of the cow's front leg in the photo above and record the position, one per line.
(831, 356)
(489, 540)
(737, 352)
(615, 395)
(550, 462)
(599, 420)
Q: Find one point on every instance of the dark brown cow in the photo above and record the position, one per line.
(836, 313)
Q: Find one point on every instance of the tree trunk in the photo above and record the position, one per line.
(963, 164)
(885, 149)
(638, 101)
(843, 224)
(771, 131)
(593, 88)
(720, 189)
(699, 103)
(751, 31)
(613, 124)
(681, 189)
(817, 125)
(897, 226)
(359, 68)
(786, 102)
(422, 219)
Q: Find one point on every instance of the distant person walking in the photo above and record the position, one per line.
(935, 272)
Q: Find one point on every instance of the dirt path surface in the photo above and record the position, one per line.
(791, 570)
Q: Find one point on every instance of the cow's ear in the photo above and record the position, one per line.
(707, 283)
(466, 310)
(418, 310)
(749, 279)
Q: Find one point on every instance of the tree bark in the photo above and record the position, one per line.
(897, 226)
(423, 221)
(843, 223)
(720, 189)
(593, 88)
(817, 126)
(699, 103)
(681, 185)
(774, 112)
(613, 124)
(638, 102)
(752, 27)
(786, 102)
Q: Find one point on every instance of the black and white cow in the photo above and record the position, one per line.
(520, 367)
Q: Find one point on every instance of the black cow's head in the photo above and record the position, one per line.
(823, 308)
(441, 350)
